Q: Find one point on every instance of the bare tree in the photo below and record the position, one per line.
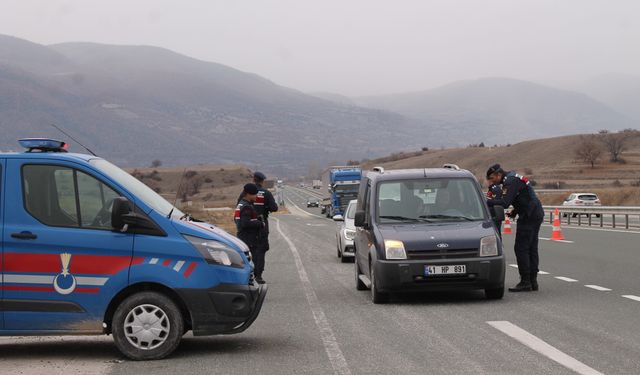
(588, 150)
(615, 144)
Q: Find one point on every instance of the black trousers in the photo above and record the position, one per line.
(526, 246)
(258, 255)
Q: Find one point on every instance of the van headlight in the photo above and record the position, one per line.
(489, 246)
(349, 234)
(394, 249)
(215, 252)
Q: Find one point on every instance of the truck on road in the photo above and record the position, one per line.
(341, 184)
(316, 184)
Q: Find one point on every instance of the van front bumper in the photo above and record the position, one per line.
(409, 275)
(225, 309)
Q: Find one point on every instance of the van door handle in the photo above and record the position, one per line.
(24, 236)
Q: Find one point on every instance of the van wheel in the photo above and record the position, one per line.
(147, 325)
(376, 295)
(359, 284)
(496, 293)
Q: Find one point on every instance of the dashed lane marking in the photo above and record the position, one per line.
(567, 279)
(539, 272)
(549, 239)
(331, 346)
(542, 347)
(629, 296)
(597, 287)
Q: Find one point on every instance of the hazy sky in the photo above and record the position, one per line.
(358, 47)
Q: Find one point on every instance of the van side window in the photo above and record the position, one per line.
(65, 197)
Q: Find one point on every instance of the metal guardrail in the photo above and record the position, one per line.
(630, 215)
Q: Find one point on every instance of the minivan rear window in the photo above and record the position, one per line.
(429, 200)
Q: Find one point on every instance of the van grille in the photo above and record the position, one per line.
(442, 254)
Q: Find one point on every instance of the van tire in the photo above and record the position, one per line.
(377, 297)
(359, 284)
(494, 293)
(170, 322)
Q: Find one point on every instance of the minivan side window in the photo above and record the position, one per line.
(65, 197)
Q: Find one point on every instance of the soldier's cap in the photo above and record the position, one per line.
(493, 169)
(260, 176)
(251, 189)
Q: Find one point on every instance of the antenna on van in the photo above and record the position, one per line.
(73, 139)
(175, 200)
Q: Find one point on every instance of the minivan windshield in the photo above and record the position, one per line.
(429, 200)
(137, 188)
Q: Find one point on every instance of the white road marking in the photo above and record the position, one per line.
(549, 239)
(629, 296)
(567, 279)
(539, 272)
(597, 287)
(178, 265)
(331, 346)
(154, 261)
(542, 347)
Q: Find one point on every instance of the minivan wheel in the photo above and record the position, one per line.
(359, 284)
(147, 325)
(376, 295)
(495, 293)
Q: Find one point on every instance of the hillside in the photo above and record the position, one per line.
(501, 110)
(134, 104)
(548, 161)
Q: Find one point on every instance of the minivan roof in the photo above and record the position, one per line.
(401, 174)
(48, 155)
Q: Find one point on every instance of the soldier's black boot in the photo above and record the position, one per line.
(534, 281)
(259, 279)
(524, 285)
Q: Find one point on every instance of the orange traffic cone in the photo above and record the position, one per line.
(557, 232)
(507, 226)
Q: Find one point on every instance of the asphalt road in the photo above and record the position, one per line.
(314, 321)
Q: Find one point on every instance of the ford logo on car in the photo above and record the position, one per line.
(442, 245)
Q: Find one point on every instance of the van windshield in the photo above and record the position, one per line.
(137, 188)
(429, 200)
(351, 211)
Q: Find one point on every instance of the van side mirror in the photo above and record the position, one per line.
(360, 219)
(121, 207)
(498, 213)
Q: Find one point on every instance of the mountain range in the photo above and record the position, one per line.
(135, 104)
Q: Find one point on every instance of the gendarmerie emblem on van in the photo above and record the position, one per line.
(64, 282)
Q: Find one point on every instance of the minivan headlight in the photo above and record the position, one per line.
(489, 246)
(215, 252)
(394, 249)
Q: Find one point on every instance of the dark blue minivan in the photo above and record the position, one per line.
(426, 229)
(89, 249)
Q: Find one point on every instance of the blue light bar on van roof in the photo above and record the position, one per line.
(43, 145)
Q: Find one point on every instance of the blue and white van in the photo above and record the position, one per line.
(89, 249)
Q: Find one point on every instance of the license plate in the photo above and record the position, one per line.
(459, 269)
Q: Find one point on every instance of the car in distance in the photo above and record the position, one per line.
(426, 230)
(345, 232)
(313, 202)
(88, 249)
(581, 200)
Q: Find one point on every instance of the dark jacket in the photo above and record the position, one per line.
(518, 192)
(265, 203)
(247, 223)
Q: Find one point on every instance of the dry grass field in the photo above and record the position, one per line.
(549, 162)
